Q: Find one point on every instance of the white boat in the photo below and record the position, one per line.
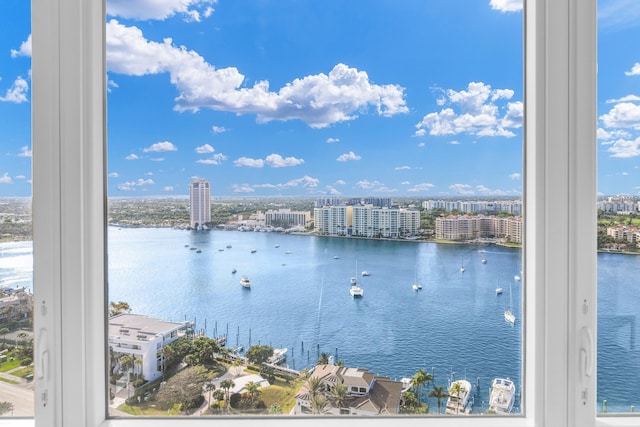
(366, 273)
(277, 246)
(458, 397)
(336, 257)
(288, 252)
(355, 291)
(498, 291)
(508, 314)
(462, 267)
(502, 395)
(517, 278)
(416, 287)
(484, 260)
(244, 281)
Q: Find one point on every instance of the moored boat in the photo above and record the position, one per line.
(355, 291)
(245, 282)
(502, 395)
(459, 392)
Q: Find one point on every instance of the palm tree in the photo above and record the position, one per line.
(324, 359)
(137, 366)
(253, 389)
(456, 389)
(6, 407)
(339, 395)
(226, 385)
(210, 387)
(319, 404)
(420, 379)
(237, 365)
(439, 393)
(314, 385)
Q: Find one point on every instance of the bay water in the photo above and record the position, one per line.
(299, 299)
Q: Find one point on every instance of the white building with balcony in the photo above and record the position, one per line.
(143, 337)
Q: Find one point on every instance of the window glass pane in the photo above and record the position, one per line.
(16, 249)
(315, 208)
(618, 206)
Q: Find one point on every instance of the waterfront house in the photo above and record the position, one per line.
(367, 394)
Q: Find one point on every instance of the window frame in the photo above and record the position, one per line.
(69, 206)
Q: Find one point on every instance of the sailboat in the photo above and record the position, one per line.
(416, 286)
(462, 267)
(355, 291)
(508, 314)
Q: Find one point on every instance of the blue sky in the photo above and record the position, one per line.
(307, 98)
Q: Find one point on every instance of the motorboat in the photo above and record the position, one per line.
(502, 395)
(355, 291)
(253, 251)
(459, 392)
(366, 273)
(484, 260)
(416, 287)
(245, 282)
(498, 291)
(234, 271)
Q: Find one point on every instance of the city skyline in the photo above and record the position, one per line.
(293, 98)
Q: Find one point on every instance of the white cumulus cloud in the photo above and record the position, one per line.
(204, 149)
(506, 5)
(6, 179)
(318, 100)
(192, 10)
(622, 115)
(425, 186)
(277, 161)
(624, 148)
(515, 176)
(216, 159)
(17, 93)
(478, 110)
(249, 162)
(25, 151)
(159, 147)
(332, 140)
(24, 50)
(463, 189)
(132, 156)
(348, 157)
(218, 129)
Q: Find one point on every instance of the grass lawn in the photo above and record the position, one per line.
(9, 365)
(27, 370)
(4, 380)
(144, 409)
(282, 395)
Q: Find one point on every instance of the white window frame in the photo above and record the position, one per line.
(69, 211)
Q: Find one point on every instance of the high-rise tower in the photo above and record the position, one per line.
(200, 202)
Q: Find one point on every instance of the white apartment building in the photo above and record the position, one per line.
(15, 305)
(513, 207)
(366, 221)
(332, 220)
(143, 337)
(199, 202)
(466, 227)
(287, 218)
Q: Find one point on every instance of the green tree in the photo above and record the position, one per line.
(119, 307)
(227, 385)
(253, 389)
(184, 388)
(319, 404)
(418, 381)
(6, 407)
(210, 387)
(323, 360)
(439, 393)
(339, 395)
(259, 354)
(456, 390)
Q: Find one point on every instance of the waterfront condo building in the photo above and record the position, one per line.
(467, 227)
(200, 202)
(366, 221)
(142, 338)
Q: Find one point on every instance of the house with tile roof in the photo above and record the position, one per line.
(367, 394)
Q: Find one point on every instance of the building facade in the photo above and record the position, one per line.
(143, 338)
(287, 218)
(467, 227)
(199, 202)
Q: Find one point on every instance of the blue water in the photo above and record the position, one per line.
(453, 328)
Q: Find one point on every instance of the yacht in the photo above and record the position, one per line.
(502, 395)
(498, 291)
(366, 273)
(245, 282)
(355, 291)
(484, 260)
(458, 397)
(416, 287)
